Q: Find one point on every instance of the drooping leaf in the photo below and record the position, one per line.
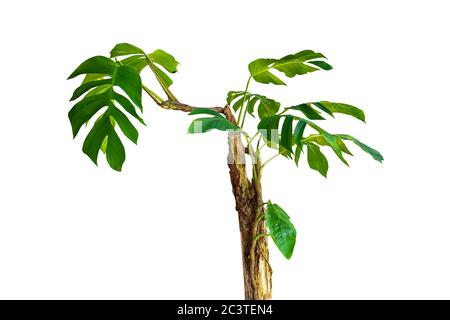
(281, 229)
(334, 107)
(299, 131)
(308, 111)
(317, 160)
(286, 137)
(268, 128)
(320, 140)
(99, 93)
(331, 141)
(374, 153)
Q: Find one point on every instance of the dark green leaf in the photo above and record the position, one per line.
(308, 111)
(317, 160)
(127, 105)
(87, 86)
(115, 152)
(124, 123)
(281, 229)
(268, 128)
(125, 49)
(298, 151)
(299, 131)
(320, 140)
(266, 108)
(333, 107)
(82, 111)
(374, 153)
(98, 64)
(129, 81)
(286, 137)
(137, 62)
(96, 136)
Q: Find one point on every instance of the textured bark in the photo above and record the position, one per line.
(249, 205)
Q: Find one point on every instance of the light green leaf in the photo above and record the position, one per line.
(125, 49)
(281, 229)
(164, 59)
(259, 70)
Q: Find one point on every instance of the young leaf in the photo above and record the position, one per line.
(374, 153)
(259, 70)
(164, 59)
(317, 160)
(281, 229)
(125, 49)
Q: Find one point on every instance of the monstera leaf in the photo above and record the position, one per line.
(328, 107)
(266, 107)
(102, 76)
(138, 59)
(291, 65)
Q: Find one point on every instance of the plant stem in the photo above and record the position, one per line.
(270, 159)
(169, 94)
(243, 103)
(153, 95)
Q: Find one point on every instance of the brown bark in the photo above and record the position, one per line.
(249, 205)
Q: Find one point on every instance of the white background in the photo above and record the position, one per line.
(166, 227)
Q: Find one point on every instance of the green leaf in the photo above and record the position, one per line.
(291, 65)
(374, 153)
(99, 93)
(308, 111)
(124, 123)
(125, 49)
(298, 151)
(320, 140)
(115, 152)
(137, 62)
(299, 131)
(281, 229)
(164, 59)
(334, 107)
(96, 136)
(130, 82)
(259, 70)
(86, 109)
(165, 79)
(286, 137)
(202, 125)
(268, 128)
(317, 160)
(266, 107)
(331, 140)
(97, 64)
(83, 88)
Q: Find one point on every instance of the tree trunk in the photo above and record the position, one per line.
(249, 205)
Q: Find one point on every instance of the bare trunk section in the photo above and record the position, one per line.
(249, 205)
